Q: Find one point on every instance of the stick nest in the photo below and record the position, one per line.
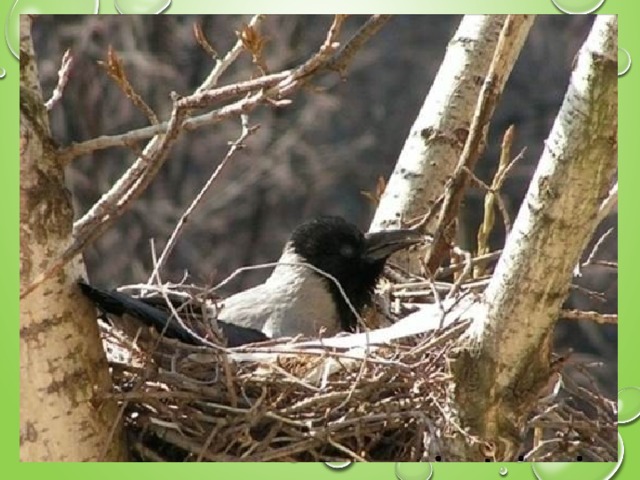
(278, 401)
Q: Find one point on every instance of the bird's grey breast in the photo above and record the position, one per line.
(295, 300)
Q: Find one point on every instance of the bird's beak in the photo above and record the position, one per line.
(379, 245)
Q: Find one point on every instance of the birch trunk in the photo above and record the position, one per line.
(63, 369)
(430, 154)
(506, 363)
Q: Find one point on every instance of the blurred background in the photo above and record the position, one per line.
(315, 156)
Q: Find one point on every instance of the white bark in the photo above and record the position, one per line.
(437, 138)
(63, 369)
(509, 358)
(434, 143)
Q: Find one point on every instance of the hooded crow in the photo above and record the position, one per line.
(301, 297)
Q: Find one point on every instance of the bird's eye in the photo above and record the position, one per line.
(347, 250)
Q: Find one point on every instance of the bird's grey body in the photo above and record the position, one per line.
(294, 300)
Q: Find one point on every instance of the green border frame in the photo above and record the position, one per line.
(629, 236)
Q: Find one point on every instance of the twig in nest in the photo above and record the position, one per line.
(465, 272)
(353, 455)
(446, 271)
(115, 426)
(592, 294)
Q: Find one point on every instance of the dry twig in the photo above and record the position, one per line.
(141, 173)
(235, 146)
(63, 78)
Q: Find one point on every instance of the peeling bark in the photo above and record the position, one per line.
(63, 369)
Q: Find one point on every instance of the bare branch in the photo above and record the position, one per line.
(465, 271)
(344, 57)
(609, 203)
(511, 39)
(235, 146)
(480, 259)
(63, 78)
(121, 140)
(493, 198)
(202, 40)
(596, 247)
(597, 317)
(142, 172)
(231, 56)
(208, 98)
(115, 69)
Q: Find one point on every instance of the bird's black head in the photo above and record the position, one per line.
(354, 259)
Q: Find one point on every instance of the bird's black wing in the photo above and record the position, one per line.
(148, 311)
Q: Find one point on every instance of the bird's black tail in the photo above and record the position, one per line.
(120, 304)
(117, 303)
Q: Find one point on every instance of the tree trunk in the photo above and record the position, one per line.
(63, 369)
(437, 138)
(506, 363)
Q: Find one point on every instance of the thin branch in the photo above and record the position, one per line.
(235, 146)
(63, 78)
(465, 272)
(223, 64)
(141, 173)
(318, 60)
(344, 57)
(596, 247)
(353, 455)
(503, 58)
(601, 318)
(490, 197)
(207, 98)
(608, 203)
(202, 40)
(480, 259)
(121, 140)
(591, 294)
(115, 69)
